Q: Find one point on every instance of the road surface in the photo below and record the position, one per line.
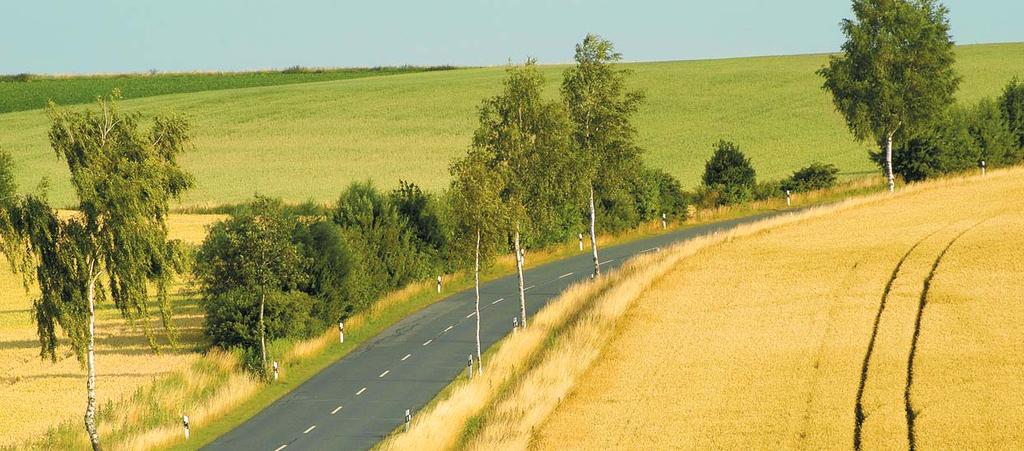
(358, 400)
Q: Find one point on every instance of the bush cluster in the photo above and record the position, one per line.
(964, 136)
(370, 242)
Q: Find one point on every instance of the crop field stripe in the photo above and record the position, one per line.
(858, 409)
(907, 404)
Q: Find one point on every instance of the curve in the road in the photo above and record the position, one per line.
(356, 401)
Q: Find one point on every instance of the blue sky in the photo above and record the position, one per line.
(76, 36)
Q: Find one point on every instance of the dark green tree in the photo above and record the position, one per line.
(600, 107)
(813, 177)
(997, 144)
(115, 247)
(730, 173)
(527, 138)
(254, 251)
(895, 72)
(1011, 103)
(369, 217)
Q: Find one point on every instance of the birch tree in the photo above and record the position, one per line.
(599, 106)
(479, 216)
(115, 246)
(528, 139)
(895, 72)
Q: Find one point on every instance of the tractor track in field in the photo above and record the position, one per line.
(859, 406)
(907, 401)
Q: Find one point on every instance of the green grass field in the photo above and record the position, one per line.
(307, 141)
(29, 92)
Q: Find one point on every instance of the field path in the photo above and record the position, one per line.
(883, 403)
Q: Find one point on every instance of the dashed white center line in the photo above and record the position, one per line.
(279, 448)
(310, 429)
(406, 357)
(653, 249)
(528, 288)
(448, 328)
(470, 315)
(564, 275)
(499, 300)
(609, 261)
(361, 390)
(336, 409)
(427, 342)
(385, 373)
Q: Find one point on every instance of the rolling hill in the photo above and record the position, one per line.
(307, 141)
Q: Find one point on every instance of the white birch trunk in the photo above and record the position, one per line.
(888, 162)
(263, 331)
(519, 270)
(593, 234)
(476, 277)
(90, 362)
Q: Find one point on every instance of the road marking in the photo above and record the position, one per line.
(449, 328)
(361, 390)
(527, 288)
(385, 373)
(310, 429)
(279, 448)
(499, 300)
(653, 249)
(470, 315)
(609, 261)
(336, 409)
(564, 275)
(427, 342)
(406, 357)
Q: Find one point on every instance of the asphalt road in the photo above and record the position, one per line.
(358, 400)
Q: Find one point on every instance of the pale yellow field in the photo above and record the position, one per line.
(38, 394)
(758, 343)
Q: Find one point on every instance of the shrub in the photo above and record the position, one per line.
(232, 317)
(337, 277)
(767, 190)
(422, 213)
(813, 177)
(992, 135)
(946, 147)
(672, 200)
(368, 217)
(1011, 104)
(730, 173)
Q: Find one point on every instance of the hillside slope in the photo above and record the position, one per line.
(307, 141)
(775, 340)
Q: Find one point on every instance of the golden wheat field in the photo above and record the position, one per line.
(762, 342)
(39, 394)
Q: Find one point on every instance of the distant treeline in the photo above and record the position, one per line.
(23, 92)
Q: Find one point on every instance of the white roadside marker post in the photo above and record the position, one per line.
(515, 323)
(408, 419)
(469, 367)
(275, 371)
(438, 284)
(581, 242)
(664, 223)
(184, 423)
(341, 331)
(789, 199)
(982, 167)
